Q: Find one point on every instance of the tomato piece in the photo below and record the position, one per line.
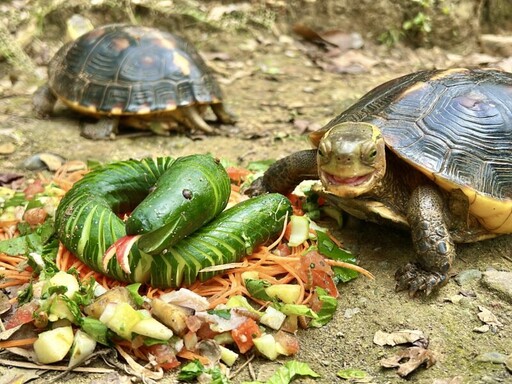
(165, 356)
(22, 315)
(237, 175)
(315, 272)
(33, 189)
(244, 335)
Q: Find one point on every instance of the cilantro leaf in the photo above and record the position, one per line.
(327, 310)
(329, 249)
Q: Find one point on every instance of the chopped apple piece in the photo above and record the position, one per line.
(287, 293)
(53, 345)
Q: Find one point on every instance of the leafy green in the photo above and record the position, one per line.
(17, 200)
(326, 312)
(96, 329)
(289, 371)
(26, 295)
(43, 262)
(349, 373)
(134, 293)
(329, 249)
(191, 371)
(256, 288)
(297, 309)
(260, 165)
(85, 295)
(30, 242)
(73, 308)
(222, 313)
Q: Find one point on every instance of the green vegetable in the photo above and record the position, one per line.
(187, 195)
(289, 371)
(329, 249)
(256, 288)
(87, 220)
(226, 239)
(326, 312)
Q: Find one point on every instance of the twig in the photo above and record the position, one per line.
(24, 364)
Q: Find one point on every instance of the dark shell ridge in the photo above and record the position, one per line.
(455, 124)
(132, 70)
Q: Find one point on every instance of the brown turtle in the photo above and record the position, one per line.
(135, 76)
(429, 151)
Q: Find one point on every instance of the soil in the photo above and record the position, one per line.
(279, 92)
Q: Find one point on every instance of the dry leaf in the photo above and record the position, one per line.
(489, 318)
(404, 336)
(343, 41)
(409, 359)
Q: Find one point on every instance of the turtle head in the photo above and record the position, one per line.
(351, 158)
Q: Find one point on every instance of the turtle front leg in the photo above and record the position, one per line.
(432, 242)
(285, 174)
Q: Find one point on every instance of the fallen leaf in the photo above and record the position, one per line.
(332, 38)
(409, 359)
(5, 305)
(8, 178)
(489, 318)
(404, 336)
(18, 376)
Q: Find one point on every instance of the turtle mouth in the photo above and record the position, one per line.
(353, 181)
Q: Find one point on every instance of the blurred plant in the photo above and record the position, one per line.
(417, 24)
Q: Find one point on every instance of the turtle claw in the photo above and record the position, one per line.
(414, 279)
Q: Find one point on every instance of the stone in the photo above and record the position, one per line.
(500, 282)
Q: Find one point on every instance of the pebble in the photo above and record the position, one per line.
(350, 312)
(467, 276)
(492, 357)
(500, 282)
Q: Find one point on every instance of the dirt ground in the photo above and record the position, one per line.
(279, 88)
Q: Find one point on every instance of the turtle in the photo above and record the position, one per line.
(428, 152)
(135, 76)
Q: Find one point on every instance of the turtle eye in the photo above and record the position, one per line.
(369, 155)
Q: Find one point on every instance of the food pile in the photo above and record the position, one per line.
(58, 309)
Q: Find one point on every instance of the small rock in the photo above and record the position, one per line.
(492, 357)
(350, 312)
(7, 148)
(482, 329)
(44, 160)
(467, 276)
(500, 282)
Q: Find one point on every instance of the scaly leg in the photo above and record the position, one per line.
(222, 115)
(193, 120)
(432, 242)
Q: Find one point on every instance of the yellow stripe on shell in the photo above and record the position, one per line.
(182, 63)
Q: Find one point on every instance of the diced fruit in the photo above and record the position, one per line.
(228, 356)
(174, 316)
(290, 324)
(59, 310)
(190, 340)
(254, 275)
(287, 344)
(83, 347)
(122, 320)
(298, 230)
(267, 346)
(115, 295)
(314, 271)
(53, 345)
(151, 327)
(273, 318)
(67, 280)
(244, 335)
(287, 293)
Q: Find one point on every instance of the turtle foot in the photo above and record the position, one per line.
(416, 280)
(256, 188)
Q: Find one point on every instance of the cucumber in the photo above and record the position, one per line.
(189, 194)
(230, 236)
(86, 220)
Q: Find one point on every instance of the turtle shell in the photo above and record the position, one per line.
(455, 126)
(123, 69)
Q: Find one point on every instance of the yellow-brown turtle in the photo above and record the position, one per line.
(135, 76)
(429, 151)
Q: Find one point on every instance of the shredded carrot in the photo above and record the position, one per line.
(188, 355)
(17, 343)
